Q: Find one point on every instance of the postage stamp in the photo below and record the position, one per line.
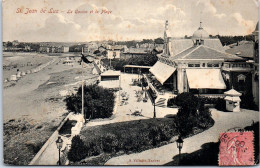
(236, 149)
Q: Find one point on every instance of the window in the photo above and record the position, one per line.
(213, 65)
(241, 77)
(193, 65)
(114, 54)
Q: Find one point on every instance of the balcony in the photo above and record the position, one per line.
(237, 66)
(210, 95)
(158, 88)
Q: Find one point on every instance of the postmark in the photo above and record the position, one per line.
(236, 149)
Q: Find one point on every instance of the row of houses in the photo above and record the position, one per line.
(121, 51)
(53, 49)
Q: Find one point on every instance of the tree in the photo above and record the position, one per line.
(9, 44)
(78, 150)
(21, 45)
(98, 102)
(247, 101)
(35, 47)
(147, 41)
(192, 113)
(159, 40)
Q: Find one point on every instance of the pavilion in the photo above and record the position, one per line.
(199, 65)
(110, 79)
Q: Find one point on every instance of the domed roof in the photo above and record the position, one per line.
(200, 33)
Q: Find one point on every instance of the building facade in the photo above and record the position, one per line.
(199, 65)
(114, 51)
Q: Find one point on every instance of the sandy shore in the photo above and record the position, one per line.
(31, 96)
(36, 100)
(13, 62)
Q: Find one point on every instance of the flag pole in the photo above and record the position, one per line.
(82, 107)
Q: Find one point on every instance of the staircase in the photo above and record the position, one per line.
(161, 102)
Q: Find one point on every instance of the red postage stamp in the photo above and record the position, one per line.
(236, 149)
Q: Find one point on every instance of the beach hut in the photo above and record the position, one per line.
(18, 75)
(13, 78)
(23, 73)
(232, 100)
(68, 61)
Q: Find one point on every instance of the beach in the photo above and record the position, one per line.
(35, 102)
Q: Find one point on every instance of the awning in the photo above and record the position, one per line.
(205, 79)
(162, 71)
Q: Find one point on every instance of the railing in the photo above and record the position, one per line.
(150, 83)
(211, 95)
(237, 66)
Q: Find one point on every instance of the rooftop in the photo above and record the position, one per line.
(204, 52)
(136, 66)
(200, 34)
(180, 45)
(137, 51)
(245, 49)
(232, 92)
(111, 73)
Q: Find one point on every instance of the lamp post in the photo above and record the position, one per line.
(154, 112)
(179, 142)
(59, 144)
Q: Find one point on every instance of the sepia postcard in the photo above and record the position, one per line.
(130, 82)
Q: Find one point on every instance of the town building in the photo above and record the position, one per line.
(90, 48)
(135, 52)
(15, 43)
(244, 49)
(52, 49)
(114, 51)
(199, 65)
(27, 48)
(44, 49)
(62, 49)
(102, 49)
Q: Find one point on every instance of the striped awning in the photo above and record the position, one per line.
(205, 79)
(162, 71)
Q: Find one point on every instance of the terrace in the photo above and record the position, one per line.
(158, 88)
(237, 66)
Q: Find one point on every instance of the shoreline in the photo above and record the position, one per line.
(33, 109)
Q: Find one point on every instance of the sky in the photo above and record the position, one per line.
(123, 19)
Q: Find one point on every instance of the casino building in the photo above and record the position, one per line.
(199, 65)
